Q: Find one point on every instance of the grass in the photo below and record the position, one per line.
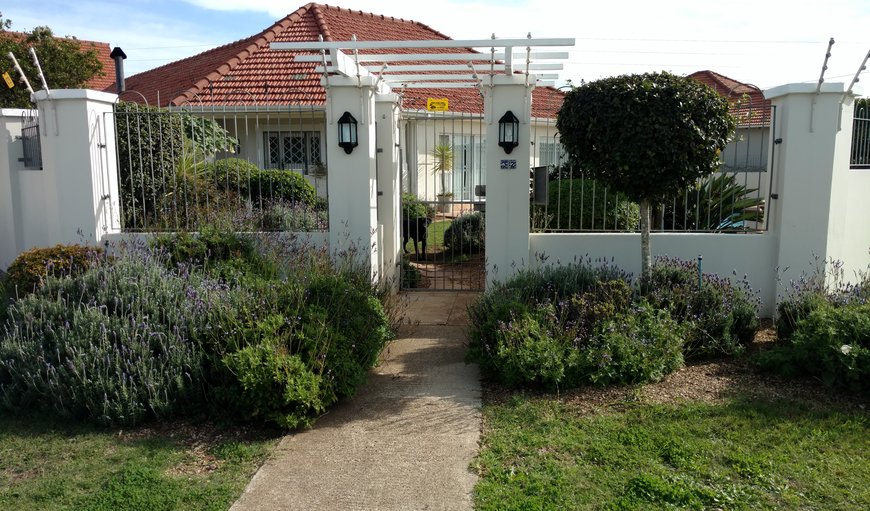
(52, 465)
(435, 235)
(746, 453)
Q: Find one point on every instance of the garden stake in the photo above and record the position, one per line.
(699, 272)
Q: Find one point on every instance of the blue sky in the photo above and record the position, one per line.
(767, 43)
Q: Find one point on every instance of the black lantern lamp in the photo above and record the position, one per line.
(508, 132)
(347, 138)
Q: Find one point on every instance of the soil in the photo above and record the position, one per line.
(465, 275)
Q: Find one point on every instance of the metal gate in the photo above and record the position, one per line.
(443, 200)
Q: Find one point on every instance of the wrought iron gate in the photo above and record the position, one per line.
(443, 200)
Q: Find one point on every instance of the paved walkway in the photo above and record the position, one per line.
(404, 442)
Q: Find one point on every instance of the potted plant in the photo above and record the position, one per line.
(442, 155)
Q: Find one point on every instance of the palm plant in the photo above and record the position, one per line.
(718, 204)
(442, 155)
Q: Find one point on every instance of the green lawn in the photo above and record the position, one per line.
(52, 465)
(435, 235)
(745, 453)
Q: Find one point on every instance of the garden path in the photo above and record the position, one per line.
(405, 441)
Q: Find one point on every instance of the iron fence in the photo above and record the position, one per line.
(861, 141)
(732, 199)
(32, 149)
(263, 168)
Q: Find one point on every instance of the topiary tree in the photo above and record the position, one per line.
(649, 136)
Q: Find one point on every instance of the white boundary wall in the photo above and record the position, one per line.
(749, 255)
(820, 213)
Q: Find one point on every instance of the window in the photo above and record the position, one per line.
(292, 150)
(550, 152)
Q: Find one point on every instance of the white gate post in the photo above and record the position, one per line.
(11, 151)
(507, 178)
(77, 134)
(822, 205)
(389, 186)
(353, 207)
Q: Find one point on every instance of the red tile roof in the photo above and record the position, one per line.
(247, 72)
(99, 82)
(747, 101)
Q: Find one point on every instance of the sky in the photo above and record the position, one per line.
(765, 43)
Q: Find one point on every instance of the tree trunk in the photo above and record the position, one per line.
(645, 257)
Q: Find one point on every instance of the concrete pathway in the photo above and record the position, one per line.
(404, 442)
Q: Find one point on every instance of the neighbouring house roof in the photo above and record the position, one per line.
(247, 72)
(103, 54)
(102, 50)
(746, 100)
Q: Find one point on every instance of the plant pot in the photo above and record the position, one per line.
(444, 205)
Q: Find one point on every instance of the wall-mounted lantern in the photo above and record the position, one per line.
(508, 131)
(347, 136)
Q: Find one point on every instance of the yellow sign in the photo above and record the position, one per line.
(437, 104)
(8, 79)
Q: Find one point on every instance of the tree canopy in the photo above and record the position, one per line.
(65, 63)
(649, 136)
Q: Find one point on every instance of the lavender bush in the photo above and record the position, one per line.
(115, 344)
(723, 316)
(584, 324)
(823, 330)
(265, 329)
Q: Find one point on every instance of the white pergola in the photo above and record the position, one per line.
(364, 194)
(437, 70)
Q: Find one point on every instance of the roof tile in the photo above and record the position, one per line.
(747, 101)
(247, 72)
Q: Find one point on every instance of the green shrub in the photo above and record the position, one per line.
(642, 345)
(723, 316)
(571, 325)
(4, 298)
(411, 276)
(297, 350)
(584, 204)
(151, 143)
(510, 300)
(197, 323)
(260, 187)
(831, 343)
(799, 306)
(218, 249)
(466, 234)
(30, 268)
(553, 346)
(413, 207)
(276, 385)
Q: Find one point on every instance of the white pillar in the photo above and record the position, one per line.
(353, 215)
(389, 186)
(77, 133)
(507, 179)
(822, 205)
(11, 149)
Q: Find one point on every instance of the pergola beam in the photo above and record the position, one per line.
(438, 43)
